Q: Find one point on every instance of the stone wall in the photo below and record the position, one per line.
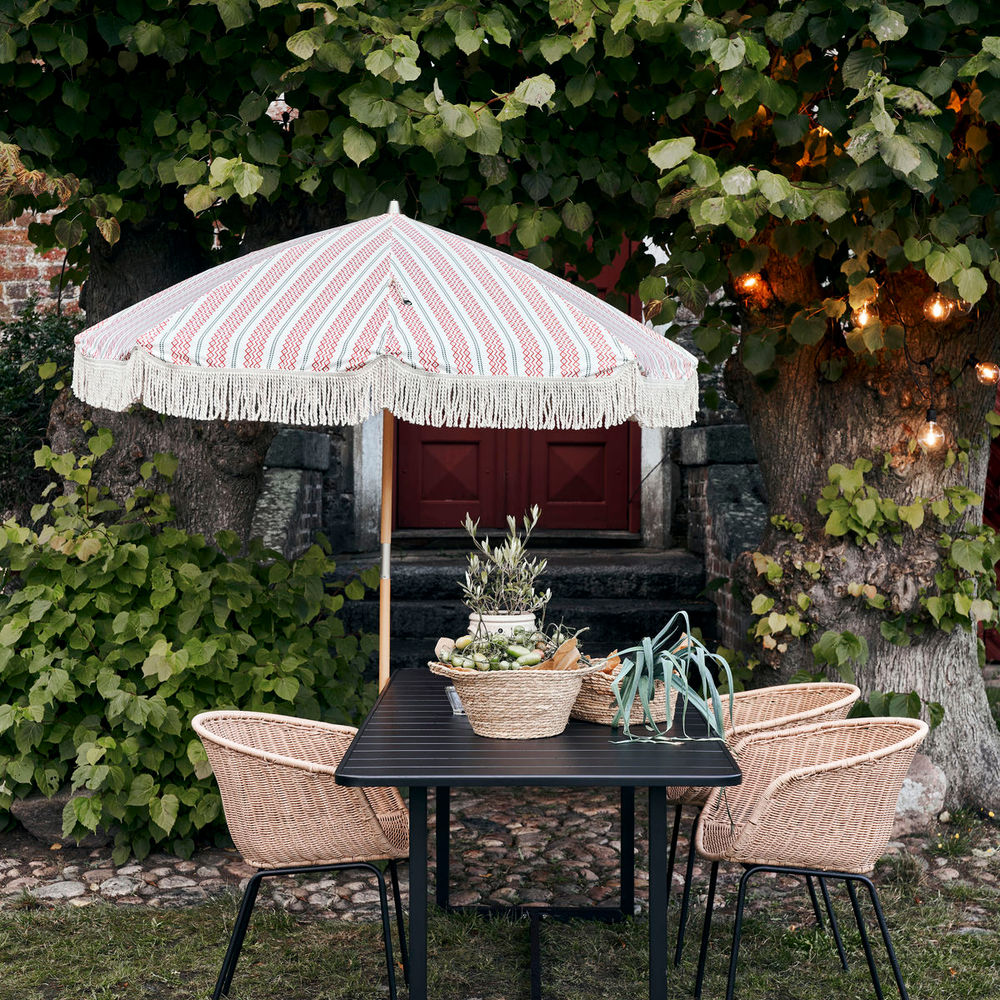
(24, 273)
(726, 513)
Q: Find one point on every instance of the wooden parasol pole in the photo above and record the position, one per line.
(385, 537)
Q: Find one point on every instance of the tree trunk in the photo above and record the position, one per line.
(873, 411)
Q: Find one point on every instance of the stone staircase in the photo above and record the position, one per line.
(621, 595)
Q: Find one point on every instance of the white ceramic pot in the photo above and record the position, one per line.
(500, 624)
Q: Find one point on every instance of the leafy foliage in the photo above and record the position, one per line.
(32, 340)
(856, 135)
(118, 628)
(500, 579)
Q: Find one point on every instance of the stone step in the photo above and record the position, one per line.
(613, 574)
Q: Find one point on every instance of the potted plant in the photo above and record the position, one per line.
(672, 669)
(499, 588)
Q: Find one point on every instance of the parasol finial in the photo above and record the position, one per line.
(394, 207)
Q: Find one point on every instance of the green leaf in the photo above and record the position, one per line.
(738, 181)
(234, 13)
(359, 145)
(165, 123)
(899, 153)
(774, 187)
(667, 153)
(971, 284)
(728, 53)
(580, 89)
(555, 47)
(807, 329)
(784, 24)
(163, 811)
(286, 688)
(830, 204)
(72, 49)
(758, 354)
(536, 91)
(913, 514)
(887, 24)
(246, 179)
(577, 217)
(200, 198)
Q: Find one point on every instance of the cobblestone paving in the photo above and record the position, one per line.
(508, 846)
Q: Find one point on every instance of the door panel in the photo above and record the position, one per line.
(444, 472)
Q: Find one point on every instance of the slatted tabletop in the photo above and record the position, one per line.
(412, 738)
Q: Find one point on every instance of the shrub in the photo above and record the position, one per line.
(33, 339)
(122, 627)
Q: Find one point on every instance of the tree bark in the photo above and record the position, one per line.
(805, 424)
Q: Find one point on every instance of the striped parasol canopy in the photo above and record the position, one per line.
(386, 313)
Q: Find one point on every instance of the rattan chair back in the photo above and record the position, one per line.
(817, 796)
(276, 776)
(774, 708)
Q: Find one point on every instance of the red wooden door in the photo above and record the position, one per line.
(583, 480)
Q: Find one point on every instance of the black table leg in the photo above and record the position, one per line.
(657, 893)
(418, 893)
(628, 850)
(442, 845)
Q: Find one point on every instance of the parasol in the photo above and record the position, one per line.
(385, 314)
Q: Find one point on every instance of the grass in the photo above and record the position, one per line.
(945, 936)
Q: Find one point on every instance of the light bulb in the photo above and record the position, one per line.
(865, 314)
(988, 372)
(964, 306)
(938, 307)
(932, 435)
(748, 283)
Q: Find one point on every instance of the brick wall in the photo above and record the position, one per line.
(24, 273)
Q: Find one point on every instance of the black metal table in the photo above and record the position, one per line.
(411, 738)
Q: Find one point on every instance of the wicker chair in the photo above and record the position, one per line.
(760, 710)
(817, 800)
(287, 815)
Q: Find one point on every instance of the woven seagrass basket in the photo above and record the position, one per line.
(516, 704)
(596, 702)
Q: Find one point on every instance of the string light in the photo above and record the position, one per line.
(988, 372)
(931, 436)
(938, 307)
(749, 283)
(865, 314)
(964, 306)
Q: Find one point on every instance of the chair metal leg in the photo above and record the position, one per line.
(225, 979)
(236, 938)
(706, 930)
(383, 899)
(815, 902)
(865, 943)
(686, 897)
(400, 925)
(673, 848)
(738, 931)
(885, 937)
(834, 925)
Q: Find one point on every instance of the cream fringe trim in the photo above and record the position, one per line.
(321, 399)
